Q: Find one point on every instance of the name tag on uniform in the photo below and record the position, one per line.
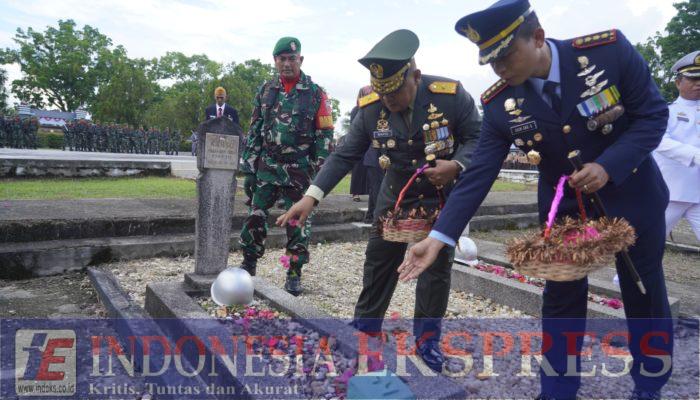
(522, 128)
(682, 118)
(382, 134)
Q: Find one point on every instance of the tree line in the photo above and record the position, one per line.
(67, 67)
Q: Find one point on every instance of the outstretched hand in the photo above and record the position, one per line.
(299, 211)
(419, 257)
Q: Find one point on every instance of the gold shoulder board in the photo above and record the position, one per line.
(596, 39)
(443, 87)
(367, 100)
(491, 92)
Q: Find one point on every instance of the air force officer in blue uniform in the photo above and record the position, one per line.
(595, 94)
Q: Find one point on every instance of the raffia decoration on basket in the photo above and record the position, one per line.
(574, 249)
(408, 226)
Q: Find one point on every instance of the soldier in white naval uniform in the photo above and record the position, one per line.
(678, 154)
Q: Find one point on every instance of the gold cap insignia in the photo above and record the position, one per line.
(389, 84)
(697, 59)
(376, 70)
(472, 34)
(293, 45)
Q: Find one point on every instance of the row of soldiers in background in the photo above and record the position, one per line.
(115, 138)
(20, 133)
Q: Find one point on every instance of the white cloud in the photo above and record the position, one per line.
(333, 34)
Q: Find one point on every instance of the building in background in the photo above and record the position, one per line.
(51, 119)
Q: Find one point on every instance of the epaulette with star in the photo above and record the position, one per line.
(596, 39)
(441, 87)
(491, 92)
(364, 101)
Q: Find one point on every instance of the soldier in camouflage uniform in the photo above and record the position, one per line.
(3, 135)
(16, 133)
(289, 138)
(32, 141)
(175, 142)
(66, 136)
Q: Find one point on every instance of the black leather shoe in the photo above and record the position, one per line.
(293, 285)
(431, 354)
(249, 264)
(642, 395)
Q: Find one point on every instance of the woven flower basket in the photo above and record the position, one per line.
(570, 249)
(396, 228)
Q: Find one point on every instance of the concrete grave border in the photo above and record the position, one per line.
(523, 296)
(173, 300)
(130, 320)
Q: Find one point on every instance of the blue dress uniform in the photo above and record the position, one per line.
(608, 107)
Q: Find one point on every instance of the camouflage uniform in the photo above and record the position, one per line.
(289, 138)
(3, 135)
(67, 136)
(32, 132)
(175, 142)
(16, 133)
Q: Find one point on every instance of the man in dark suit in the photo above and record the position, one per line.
(594, 94)
(220, 108)
(406, 116)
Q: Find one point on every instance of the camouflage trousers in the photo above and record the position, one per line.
(255, 226)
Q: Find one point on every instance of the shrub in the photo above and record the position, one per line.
(50, 140)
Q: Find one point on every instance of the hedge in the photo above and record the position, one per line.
(50, 140)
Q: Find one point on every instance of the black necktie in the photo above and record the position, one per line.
(550, 89)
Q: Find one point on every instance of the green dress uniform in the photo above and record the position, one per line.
(444, 121)
(289, 138)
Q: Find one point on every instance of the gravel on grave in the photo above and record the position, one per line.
(332, 281)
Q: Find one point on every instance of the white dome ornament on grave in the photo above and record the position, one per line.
(465, 252)
(233, 285)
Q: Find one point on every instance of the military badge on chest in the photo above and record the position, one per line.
(383, 139)
(525, 131)
(436, 134)
(602, 107)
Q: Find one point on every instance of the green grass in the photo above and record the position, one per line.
(343, 187)
(140, 188)
(499, 186)
(505, 186)
(96, 188)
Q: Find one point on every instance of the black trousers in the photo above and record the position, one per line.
(564, 310)
(379, 279)
(374, 183)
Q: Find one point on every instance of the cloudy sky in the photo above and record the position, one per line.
(334, 34)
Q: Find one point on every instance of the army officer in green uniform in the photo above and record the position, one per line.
(406, 116)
